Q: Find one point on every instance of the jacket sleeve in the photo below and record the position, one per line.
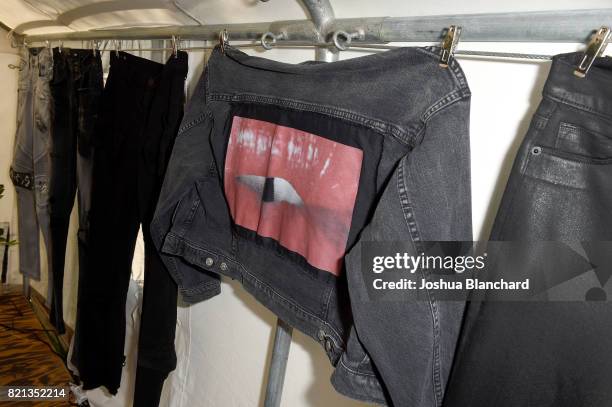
(190, 161)
(411, 342)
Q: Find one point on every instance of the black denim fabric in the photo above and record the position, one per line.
(76, 88)
(142, 106)
(279, 170)
(549, 353)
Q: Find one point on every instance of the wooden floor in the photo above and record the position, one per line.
(26, 356)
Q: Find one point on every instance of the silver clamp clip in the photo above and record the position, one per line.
(342, 40)
(596, 47)
(268, 39)
(117, 45)
(451, 39)
(175, 45)
(223, 40)
(95, 45)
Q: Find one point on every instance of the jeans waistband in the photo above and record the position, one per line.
(82, 56)
(144, 72)
(592, 93)
(36, 62)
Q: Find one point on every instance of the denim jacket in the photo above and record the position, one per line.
(279, 171)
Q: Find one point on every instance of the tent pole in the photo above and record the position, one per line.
(539, 26)
(322, 16)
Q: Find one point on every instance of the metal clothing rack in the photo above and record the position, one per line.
(329, 35)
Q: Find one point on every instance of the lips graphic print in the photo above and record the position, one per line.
(294, 187)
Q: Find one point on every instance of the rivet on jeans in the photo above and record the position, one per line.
(209, 261)
(537, 150)
(223, 266)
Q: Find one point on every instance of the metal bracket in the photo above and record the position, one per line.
(451, 39)
(596, 47)
(342, 40)
(268, 39)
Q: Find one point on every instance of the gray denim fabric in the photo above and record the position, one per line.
(31, 164)
(409, 118)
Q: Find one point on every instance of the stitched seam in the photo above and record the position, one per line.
(578, 105)
(445, 101)
(192, 123)
(201, 288)
(291, 303)
(381, 127)
(416, 240)
(505, 209)
(355, 372)
(255, 280)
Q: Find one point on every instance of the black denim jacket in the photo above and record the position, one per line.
(279, 171)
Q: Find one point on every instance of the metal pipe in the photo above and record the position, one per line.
(278, 364)
(322, 15)
(540, 26)
(26, 287)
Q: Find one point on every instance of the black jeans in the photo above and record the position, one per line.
(546, 353)
(142, 106)
(76, 88)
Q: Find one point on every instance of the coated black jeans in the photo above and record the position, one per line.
(546, 353)
(142, 106)
(76, 88)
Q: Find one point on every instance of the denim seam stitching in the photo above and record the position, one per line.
(444, 102)
(532, 133)
(255, 280)
(416, 239)
(364, 398)
(174, 269)
(385, 128)
(200, 288)
(290, 303)
(326, 305)
(192, 123)
(355, 372)
(578, 106)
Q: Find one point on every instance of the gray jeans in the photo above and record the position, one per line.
(31, 160)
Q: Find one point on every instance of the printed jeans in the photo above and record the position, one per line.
(31, 160)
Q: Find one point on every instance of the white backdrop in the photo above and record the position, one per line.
(224, 344)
